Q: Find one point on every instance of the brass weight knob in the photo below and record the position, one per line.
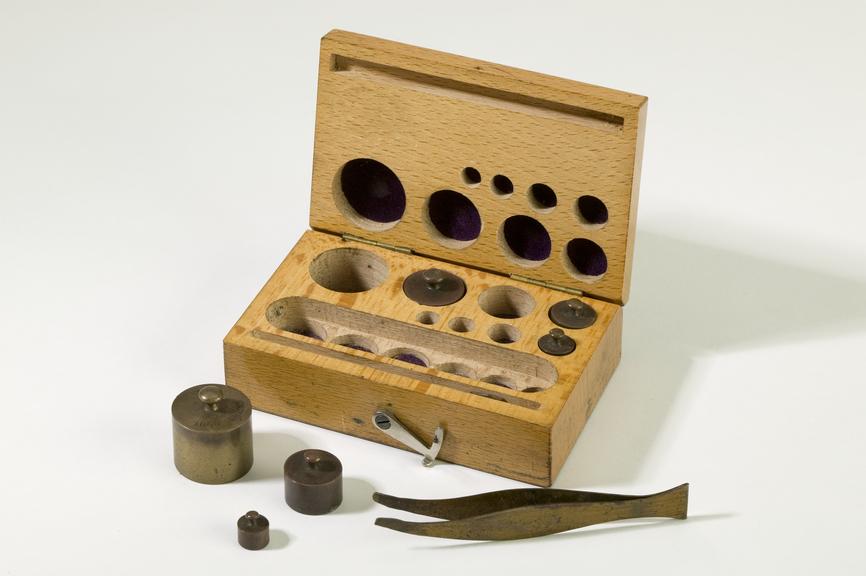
(434, 287)
(210, 395)
(557, 343)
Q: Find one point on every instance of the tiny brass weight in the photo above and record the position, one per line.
(314, 482)
(213, 438)
(253, 531)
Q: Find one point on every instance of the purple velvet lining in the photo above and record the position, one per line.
(471, 175)
(357, 347)
(527, 238)
(587, 257)
(454, 215)
(411, 359)
(592, 209)
(373, 190)
(543, 195)
(307, 332)
(502, 184)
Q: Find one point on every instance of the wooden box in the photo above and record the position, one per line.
(523, 185)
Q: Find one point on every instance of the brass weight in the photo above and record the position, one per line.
(213, 438)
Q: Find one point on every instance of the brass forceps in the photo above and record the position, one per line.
(529, 512)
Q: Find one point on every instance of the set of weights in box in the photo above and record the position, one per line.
(468, 263)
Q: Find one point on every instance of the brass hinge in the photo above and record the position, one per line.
(551, 285)
(376, 243)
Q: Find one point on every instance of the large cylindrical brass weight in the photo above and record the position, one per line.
(213, 438)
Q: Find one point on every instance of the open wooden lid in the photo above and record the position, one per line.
(488, 166)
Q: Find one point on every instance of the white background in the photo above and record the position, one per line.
(155, 164)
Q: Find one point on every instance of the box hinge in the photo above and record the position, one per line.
(353, 238)
(528, 280)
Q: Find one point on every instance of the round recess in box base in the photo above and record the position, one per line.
(348, 270)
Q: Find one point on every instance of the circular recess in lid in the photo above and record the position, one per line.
(369, 194)
(585, 260)
(502, 185)
(591, 211)
(452, 219)
(471, 176)
(542, 198)
(525, 241)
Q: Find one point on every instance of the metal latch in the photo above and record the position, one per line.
(387, 423)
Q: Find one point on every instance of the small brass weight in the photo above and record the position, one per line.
(213, 438)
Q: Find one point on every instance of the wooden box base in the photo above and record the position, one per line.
(298, 351)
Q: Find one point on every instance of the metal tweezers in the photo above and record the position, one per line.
(529, 512)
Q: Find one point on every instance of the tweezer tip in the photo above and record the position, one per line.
(392, 523)
(386, 500)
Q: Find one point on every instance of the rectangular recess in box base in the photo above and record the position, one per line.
(309, 350)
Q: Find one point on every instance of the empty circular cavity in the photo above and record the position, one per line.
(456, 368)
(503, 333)
(452, 219)
(585, 259)
(461, 324)
(356, 342)
(369, 194)
(471, 176)
(500, 380)
(280, 315)
(591, 211)
(408, 355)
(427, 317)
(348, 270)
(506, 302)
(542, 197)
(501, 185)
(525, 241)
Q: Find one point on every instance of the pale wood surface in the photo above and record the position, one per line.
(427, 115)
(339, 388)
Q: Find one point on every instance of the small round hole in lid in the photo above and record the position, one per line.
(542, 198)
(471, 176)
(501, 185)
(452, 219)
(591, 211)
(585, 260)
(525, 241)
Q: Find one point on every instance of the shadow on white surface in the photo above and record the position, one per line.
(687, 301)
(279, 539)
(357, 496)
(270, 450)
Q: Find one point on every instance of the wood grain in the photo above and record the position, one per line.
(489, 427)
(427, 115)
(507, 408)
